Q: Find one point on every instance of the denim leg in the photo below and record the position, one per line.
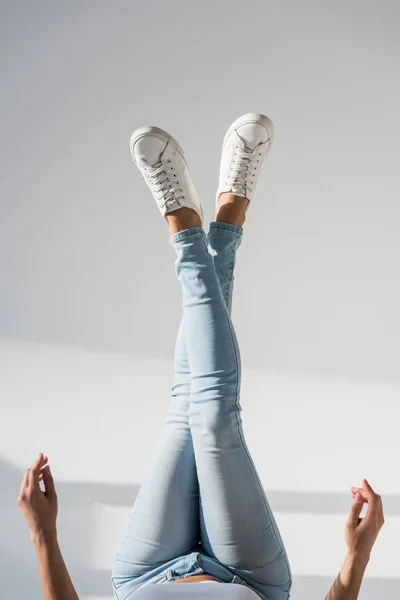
(239, 528)
(165, 521)
(223, 241)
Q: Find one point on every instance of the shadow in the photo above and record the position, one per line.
(159, 348)
(18, 566)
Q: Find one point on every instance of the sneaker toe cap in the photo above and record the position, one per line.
(253, 134)
(149, 148)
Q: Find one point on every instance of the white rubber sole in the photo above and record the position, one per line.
(251, 118)
(157, 132)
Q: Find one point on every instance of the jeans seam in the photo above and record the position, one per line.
(240, 431)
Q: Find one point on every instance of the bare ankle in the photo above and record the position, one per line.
(231, 209)
(182, 218)
(228, 198)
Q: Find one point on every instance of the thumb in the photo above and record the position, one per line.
(355, 511)
(49, 483)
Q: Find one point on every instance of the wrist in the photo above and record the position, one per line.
(44, 536)
(358, 558)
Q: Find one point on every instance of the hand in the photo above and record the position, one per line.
(361, 533)
(39, 508)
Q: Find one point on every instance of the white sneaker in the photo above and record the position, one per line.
(245, 147)
(160, 159)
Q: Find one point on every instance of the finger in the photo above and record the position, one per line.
(355, 511)
(37, 464)
(49, 482)
(365, 493)
(375, 509)
(33, 477)
(368, 489)
(41, 472)
(24, 483)
(40, 464)
(355, 490)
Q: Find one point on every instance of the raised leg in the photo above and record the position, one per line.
(238, 529)
(165, 519)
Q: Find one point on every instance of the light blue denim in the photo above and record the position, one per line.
(202, 507)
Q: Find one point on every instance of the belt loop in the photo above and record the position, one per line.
(168, 574)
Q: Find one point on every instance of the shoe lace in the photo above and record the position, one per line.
(166, 192)
(242, 171)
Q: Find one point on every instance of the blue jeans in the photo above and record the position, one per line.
(202, 507)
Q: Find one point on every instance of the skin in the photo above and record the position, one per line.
(40, 508)
(229, 209)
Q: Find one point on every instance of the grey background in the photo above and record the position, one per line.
(84, 255)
